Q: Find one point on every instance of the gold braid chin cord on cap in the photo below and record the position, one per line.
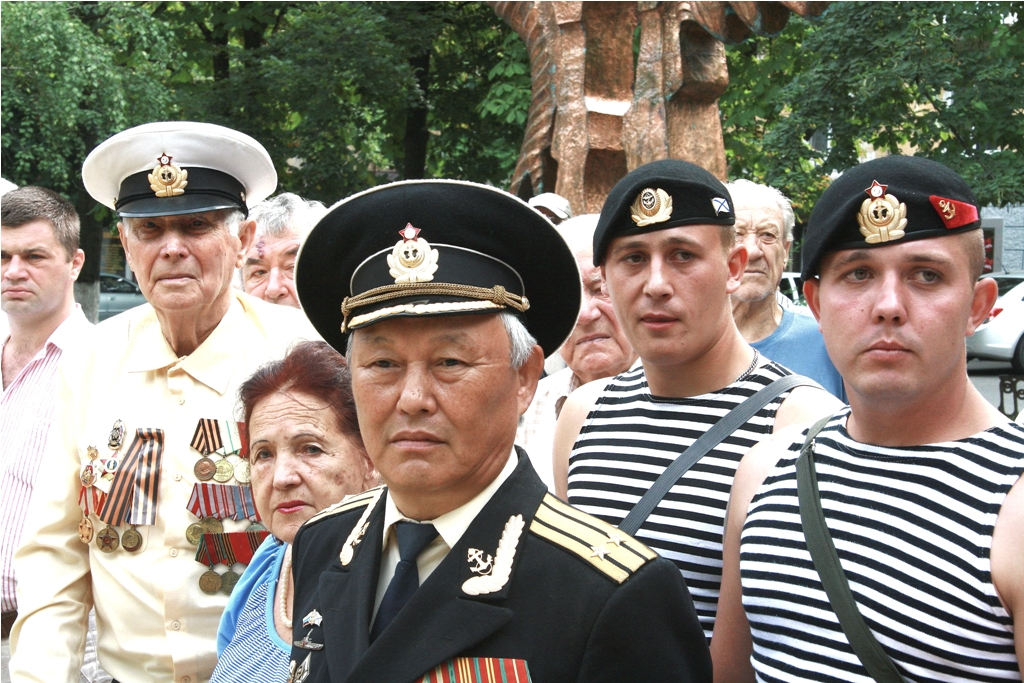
(497, 295)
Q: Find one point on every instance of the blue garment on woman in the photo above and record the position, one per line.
(249, 649)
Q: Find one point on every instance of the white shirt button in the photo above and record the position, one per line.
(181, 400)
(175, 626)
(174, 553)
(177, 477)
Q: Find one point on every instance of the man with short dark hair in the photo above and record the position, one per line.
(666, 244)
(464, 567)
(764, 224)
(39, 263)
(282, 223)
(883, 542)
(146, 493)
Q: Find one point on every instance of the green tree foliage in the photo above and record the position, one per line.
(943, 80)
(344, 95)
(69, 83)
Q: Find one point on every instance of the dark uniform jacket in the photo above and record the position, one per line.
(571, 596)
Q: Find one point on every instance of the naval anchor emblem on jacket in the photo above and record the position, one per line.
(492, 572)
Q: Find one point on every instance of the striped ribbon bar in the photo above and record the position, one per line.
(212, 500)
(133, 492)
(90, 492)
(245, 507)
(229, 548)
(230, 436)
(207, 437)
(479, 670)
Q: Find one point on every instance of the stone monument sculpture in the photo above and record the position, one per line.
(618, 84)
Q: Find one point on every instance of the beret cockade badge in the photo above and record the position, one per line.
(651, 206)
(167, 179)
(412, 259)
(882, 216)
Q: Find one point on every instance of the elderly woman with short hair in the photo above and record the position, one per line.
(306, 454)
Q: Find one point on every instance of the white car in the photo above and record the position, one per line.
(1001, 336)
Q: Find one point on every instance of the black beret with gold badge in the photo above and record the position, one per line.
(660, 195)
(436, 247)
(887, 201)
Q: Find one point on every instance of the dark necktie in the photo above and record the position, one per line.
(412, 539)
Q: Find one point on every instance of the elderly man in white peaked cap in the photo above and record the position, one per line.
(145, 512)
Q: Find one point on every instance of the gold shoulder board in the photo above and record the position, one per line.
(356, 500)
(610, 551)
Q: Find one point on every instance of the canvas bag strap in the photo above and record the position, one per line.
(826, 562)
(728, 424)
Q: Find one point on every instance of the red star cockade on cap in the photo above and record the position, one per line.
(409, 233)
(164, 159)
(876, 190)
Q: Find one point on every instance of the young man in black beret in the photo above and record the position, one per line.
(667, 248)
(464, 567)
(883, 543)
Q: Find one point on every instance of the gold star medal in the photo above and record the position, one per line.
(167, 179)
(882, 216)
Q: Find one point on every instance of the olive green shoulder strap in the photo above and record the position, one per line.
(826, 562)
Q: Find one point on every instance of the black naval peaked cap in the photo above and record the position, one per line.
(660, 195)
(436, 247)
(887, 201)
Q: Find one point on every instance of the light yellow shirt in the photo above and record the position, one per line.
(450, 527)
(154, 623)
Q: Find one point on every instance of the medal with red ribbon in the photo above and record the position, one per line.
(229, 548)
(133, 492)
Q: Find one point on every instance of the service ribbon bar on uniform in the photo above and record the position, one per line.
(229, 548)
(138, 476)
(207, 438)
(245, 507)
(212, 500)
(479, 670)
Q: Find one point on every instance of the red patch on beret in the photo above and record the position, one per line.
(954, 214)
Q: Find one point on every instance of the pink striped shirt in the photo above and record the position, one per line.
(26, 410)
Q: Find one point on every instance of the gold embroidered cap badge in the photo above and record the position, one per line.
(882, 216)
(651, 206)
(167, 179)
(412, 259)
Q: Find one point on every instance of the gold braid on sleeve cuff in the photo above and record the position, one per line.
(496, 297)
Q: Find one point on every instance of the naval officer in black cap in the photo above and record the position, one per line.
(137, 472)
(446, 297)
(883, 543)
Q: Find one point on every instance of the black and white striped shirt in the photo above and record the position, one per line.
(913, 530)
(628, 440)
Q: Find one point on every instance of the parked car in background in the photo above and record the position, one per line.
(792, 286)
(1006, 281)
(117, 295)
(1001, 336)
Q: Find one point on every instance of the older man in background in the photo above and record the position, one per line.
(596, 348)
(764, 224)
(144, 466)
(282, 223)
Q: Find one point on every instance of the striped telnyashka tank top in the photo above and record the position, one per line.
(913, 530)
(628, 440)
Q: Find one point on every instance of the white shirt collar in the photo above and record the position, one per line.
(451, 525)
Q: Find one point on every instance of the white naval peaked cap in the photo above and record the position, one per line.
(169, 168)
